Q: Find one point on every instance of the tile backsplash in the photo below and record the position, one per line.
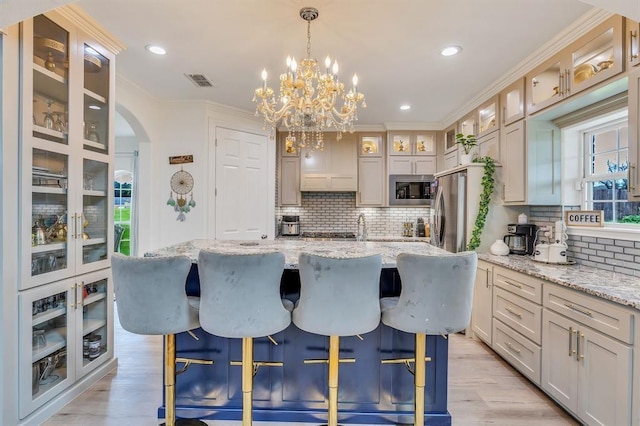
(611, 254)
(337, 212)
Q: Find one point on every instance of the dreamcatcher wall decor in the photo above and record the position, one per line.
(181, 184)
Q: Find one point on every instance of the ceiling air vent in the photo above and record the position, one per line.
(199, 80)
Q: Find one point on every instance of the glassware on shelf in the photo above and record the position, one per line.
(60, 123)
(49, 119)
(92, 132)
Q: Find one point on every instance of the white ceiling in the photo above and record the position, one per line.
(393, 45)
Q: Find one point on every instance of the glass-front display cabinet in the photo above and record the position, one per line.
(488, 116)
(591, 59)
(66, 163)
(65, 327)
(412, 143)
(512, 102)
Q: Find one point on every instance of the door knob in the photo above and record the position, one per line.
(263, 236)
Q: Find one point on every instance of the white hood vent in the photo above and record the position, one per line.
(199, 80)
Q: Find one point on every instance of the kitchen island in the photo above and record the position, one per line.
(370, 392)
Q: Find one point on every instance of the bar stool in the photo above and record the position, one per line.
(240, 298)
(338, 297)
(152, 301)
(436, 297)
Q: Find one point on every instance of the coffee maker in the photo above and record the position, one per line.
(521, 238)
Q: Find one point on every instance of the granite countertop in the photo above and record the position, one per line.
(293, 247)
(616, 287)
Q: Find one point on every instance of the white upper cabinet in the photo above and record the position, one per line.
(512, 102)
(590, 60)
(332, 169)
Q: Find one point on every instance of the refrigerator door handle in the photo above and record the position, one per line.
(439, 218)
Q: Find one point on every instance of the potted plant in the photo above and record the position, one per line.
(466, 142)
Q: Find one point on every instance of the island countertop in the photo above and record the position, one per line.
(293, 248)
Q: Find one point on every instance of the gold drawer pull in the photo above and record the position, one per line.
(510, 346)
(326, 361)
(513, 284)
(577, 309)
(511, 311)
(402, 360)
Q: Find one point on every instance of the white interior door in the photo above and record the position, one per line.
(245, 187)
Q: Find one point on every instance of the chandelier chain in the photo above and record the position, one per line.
(308, 38)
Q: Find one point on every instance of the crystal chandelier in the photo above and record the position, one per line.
(309, 98)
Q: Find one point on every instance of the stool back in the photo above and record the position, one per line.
(150, 294)
(338, 296)
(240, 294)
(437, 293)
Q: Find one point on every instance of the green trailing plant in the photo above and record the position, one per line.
(466, 142)
(488, 184)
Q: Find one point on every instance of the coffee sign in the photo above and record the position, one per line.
(584, 217)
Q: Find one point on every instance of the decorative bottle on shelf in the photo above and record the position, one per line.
(499, 248)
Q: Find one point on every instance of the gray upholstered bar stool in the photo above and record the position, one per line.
(338, 297)
(151, 300)
(240, 298)
(436, 297)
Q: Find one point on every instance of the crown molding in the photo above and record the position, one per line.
(87, 24)
(570, 34)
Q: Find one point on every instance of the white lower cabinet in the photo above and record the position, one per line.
(66, 331)
(483, 302)
(586, 371)
(576, 347)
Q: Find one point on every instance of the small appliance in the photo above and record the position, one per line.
(553, 250)
(290, 225)
(420, 228)
(520, 238)
(411, 190)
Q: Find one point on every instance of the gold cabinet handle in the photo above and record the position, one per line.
(75, 296)
(579, 336)
(633, 34)
(567, 83)
(577, 309)
(487, 271)
(512, 312)
(632, 174)
(571, 351)
(510, 346)
(513, 284)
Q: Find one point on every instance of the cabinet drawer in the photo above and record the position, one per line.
(517, 351)
(522, 315)
(523, 285)
(596, 313)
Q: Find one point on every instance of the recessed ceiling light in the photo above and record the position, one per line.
(156, 50)
(405, 107)
(96, 107)
(451, 50)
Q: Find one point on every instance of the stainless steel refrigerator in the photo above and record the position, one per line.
(450, 212)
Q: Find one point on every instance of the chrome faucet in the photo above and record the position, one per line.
(361, 234)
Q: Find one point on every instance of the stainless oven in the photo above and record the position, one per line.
(411, 190)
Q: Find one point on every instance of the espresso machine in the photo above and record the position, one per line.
(521, 238)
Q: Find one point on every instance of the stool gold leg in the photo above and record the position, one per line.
(419, 378)
(334, 355)
(247, 380)
(170, 379)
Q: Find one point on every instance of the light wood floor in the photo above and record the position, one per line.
(483, 390)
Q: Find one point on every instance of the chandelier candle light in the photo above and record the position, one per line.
(309, 98)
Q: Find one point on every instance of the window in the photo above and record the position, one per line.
(123, 186)
(606, 164)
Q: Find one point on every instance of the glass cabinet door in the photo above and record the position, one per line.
(468, 125)
(512, 102)
(425, 143)
(92, 221)
(94, 335)
(50, 102)
(46, 321)
(546, 86)
(96, 100)
(370, 146)
(597, 56)
(450, 139)
(400, 144)
(48, 225)
(488, 117)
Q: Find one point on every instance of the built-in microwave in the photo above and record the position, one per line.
(411, 190)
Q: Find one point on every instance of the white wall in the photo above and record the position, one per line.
(170, 129)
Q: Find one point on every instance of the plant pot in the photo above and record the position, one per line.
(466, 159)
